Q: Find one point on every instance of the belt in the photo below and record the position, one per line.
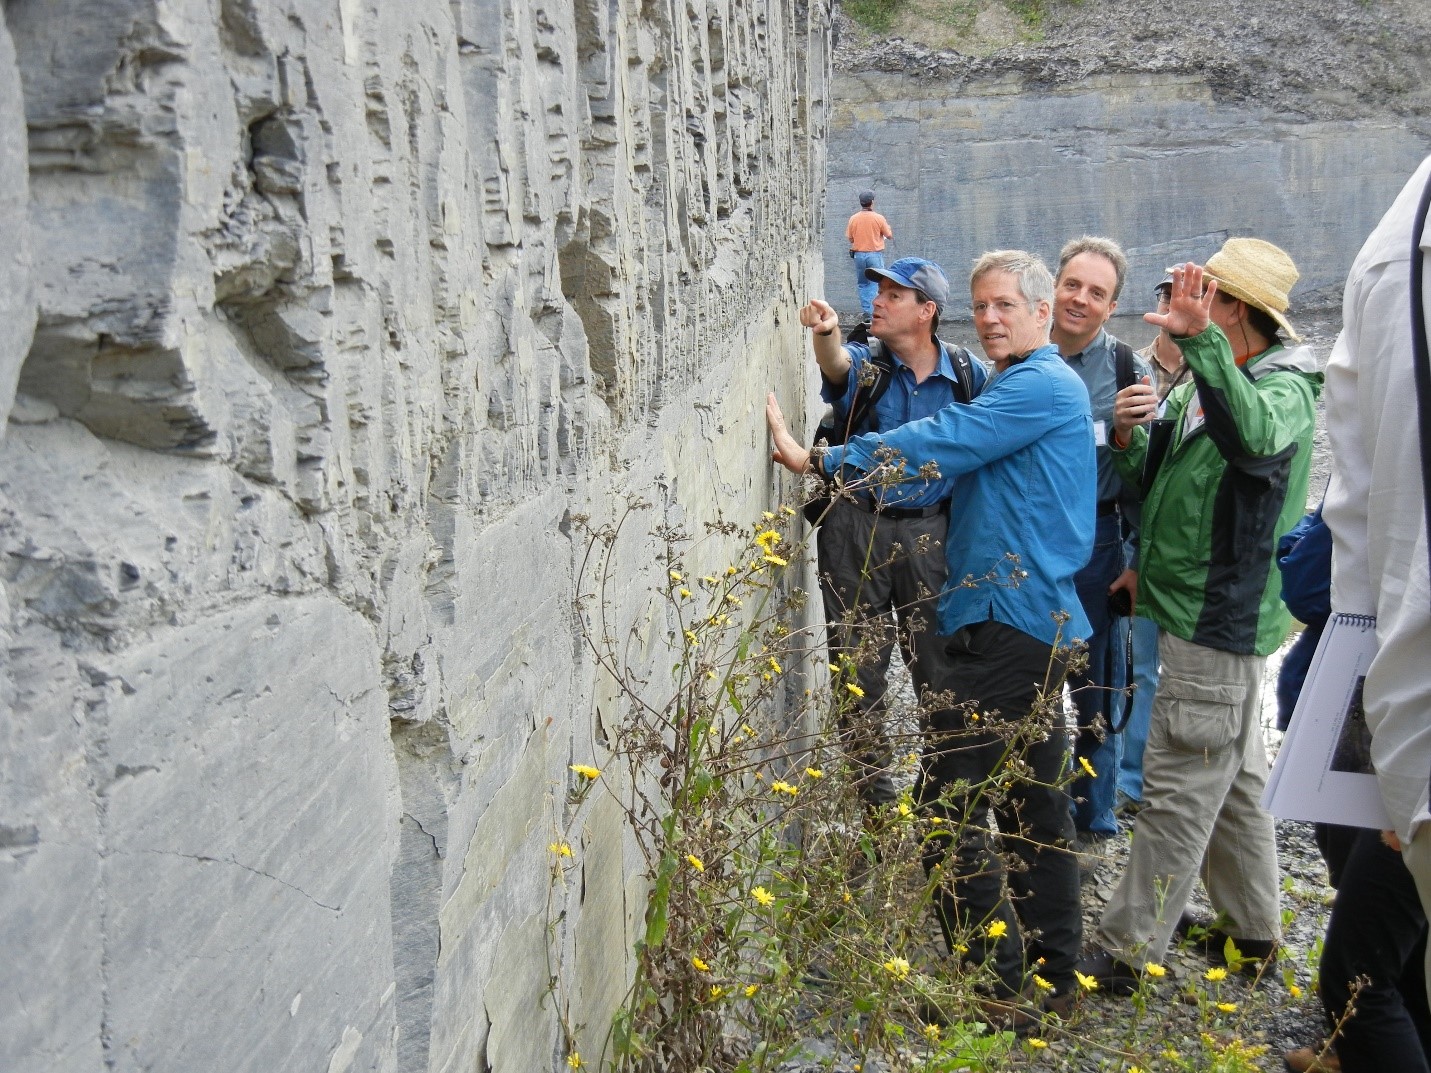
(1107, 507)
(867, 505)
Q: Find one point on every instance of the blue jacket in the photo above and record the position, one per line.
(1024, 472)
(1304, 555)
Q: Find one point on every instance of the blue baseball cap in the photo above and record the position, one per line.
(918, 273)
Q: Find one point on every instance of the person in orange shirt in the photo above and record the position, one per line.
(866, 232)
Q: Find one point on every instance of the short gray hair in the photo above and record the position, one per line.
(1035, 280)
(1103, 247)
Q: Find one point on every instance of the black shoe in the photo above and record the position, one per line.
(1112, 974)
(1204, 935)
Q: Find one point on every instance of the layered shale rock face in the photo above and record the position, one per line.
(319, 322)
(1160, 162)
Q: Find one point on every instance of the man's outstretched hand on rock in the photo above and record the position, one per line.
(785, 448)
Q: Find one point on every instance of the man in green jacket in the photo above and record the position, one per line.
(1232, 479)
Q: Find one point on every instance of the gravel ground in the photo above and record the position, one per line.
(1330, 59)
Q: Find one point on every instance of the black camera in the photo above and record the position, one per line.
(1120, 603)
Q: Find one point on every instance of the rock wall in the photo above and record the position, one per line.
(1154, 161)
(325, 319)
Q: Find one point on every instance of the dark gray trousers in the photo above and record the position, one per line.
(873, 567)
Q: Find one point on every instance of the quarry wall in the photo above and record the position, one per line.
(320, 321)
(1159, 162)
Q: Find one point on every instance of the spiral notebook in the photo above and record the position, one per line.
(1323, 770)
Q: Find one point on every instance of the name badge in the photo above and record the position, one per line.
(1100, 433)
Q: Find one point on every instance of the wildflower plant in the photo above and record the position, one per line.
(779, 906)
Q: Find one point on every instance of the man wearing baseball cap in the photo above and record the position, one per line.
(879, 549)
(866, 232)
(1233, 478)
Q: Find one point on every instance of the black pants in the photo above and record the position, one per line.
(1378, 930)
(1002, 670)
(871, 567)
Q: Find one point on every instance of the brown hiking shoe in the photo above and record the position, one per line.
(1312, 1060)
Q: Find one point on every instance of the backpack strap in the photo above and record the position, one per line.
(1420, 358)
(963, 370)
(862, 409)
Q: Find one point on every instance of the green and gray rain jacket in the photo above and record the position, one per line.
(1234, 479)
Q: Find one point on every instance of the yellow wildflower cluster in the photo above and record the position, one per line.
(780, 787)
(695, 862)
(561, 849)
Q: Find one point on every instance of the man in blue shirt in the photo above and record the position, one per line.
(1021, 459)
(880, 548)
(1091, 271)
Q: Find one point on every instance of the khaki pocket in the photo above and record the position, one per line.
(1202, 717)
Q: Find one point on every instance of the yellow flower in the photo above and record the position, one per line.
(1216, 974)
(561, 849)
(897, 967)
(789, 512)
(814, 773)
(730, 571)
(711, 579)
(767, 515)
(974, 716)
(1227, 1007)
(931, 1033)
(935, 821)
(856, 690)
(1038, 1044)
(685, 594)
(1088, 983)
(751, 989)
(1172, 1054)
(691, 637)
(676, 576)
(1155, 970)
(1135, 1069)
(1295, 991)
(586, 771)
(846, 896)
(695, 862)
(574, 1060)
(1083, 763)
(716, 991)
(747, 730)
(960, 948)
(997, 930)
(775, 560)
(762, 896)
(905, 810)
(779, 787)
(700, 965)
(768, 541)
(775, 665)
(1041, 983)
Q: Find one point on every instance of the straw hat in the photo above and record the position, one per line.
(1259, 273)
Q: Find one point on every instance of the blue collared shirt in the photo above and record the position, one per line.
(1097, 366)
(1022, 463)
(905, 400)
